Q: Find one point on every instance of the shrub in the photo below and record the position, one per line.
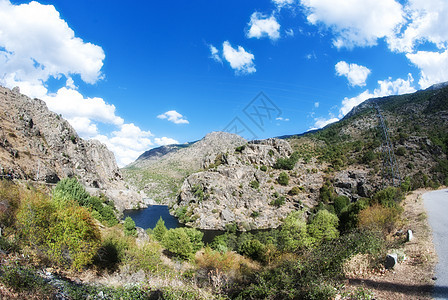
(198, 191)
(340, 203)
(401, 151)
(21, 279)
(66, 234)
(283, 178)
(323, 227)
(389, 197)
(146, 257)
(278, 202)
(294, 191)
(10, 196)
(326, 192)
(195, 236)
(178, 242)
(263, 168)
(129, 227)
(254, 184)
(252, 248)
(240, 149)
(160, 230)
(293, 233)
(287, 163)
(348, 218)
(379, 218)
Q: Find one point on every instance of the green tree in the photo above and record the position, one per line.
(323, 227)
(178, 242)
(129, 227)
(160, 230)
(293, 233)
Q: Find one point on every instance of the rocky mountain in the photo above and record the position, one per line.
(39, 145)
(159, 152)
(161, 176)
(256, 184)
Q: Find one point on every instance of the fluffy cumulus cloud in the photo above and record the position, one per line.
(261, 26)
(355, 74)
(433, 66)
(322, 122)
(35, 44)
(354, 22)
(72, 104)
(173, 116)
(426, 23)
(239, 59)
(127, 143)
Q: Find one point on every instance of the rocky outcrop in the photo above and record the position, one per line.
(39, 145)
(241, 187)
(160, 178)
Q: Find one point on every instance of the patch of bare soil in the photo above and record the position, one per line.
(413, 277)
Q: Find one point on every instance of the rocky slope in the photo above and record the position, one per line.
(225, 180)
(39, 145)
(161, 176)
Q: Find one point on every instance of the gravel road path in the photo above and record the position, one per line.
(436, 204)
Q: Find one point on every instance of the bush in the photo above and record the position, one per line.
(294, 191)
(340, 203)
(389, 197)
(253, 249)
(183, 242)
(66, 234)
(287, 163)
(278, 202)
(263, 168)
(160, 230)
(254, 184)
(348, 218)
(379, 218)
(21, 279)
(283, 178)
(293, 233)
(129, 227)
(323, 227)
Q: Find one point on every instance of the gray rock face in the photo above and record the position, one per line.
(160, 178)
(238, 191)
(37, 144)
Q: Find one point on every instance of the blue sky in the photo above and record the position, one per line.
(141, 74)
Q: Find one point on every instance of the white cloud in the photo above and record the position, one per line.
(35, 44)
(316, 104)
(354, 22)
(262, 26)
(128, 143)
(163, 141)
(173, 116)
(427, 23)
(240, 60)
(322, 122)
(71, 104)
(282, 119)
(283, 3)
(385, 88)
(214, 53)
(289, 32)
(433, 66)
(355, 74)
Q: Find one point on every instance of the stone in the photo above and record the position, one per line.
(42, 146)
(391, 260)
(410, 235)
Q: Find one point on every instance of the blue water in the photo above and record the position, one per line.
(148, 217)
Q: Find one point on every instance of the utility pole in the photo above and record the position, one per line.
(390, 172)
